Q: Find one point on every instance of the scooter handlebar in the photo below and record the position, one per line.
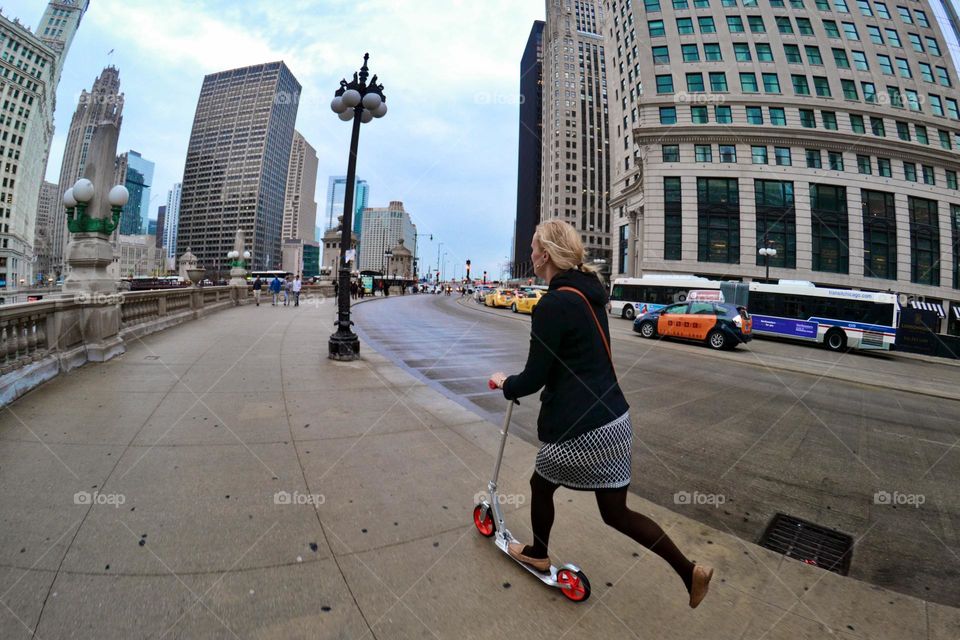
(492, 385)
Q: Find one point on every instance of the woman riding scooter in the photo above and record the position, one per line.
(584, 423)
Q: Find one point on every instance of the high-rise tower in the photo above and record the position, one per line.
(103, 103)
(237, 159)
(575, 161)
(530, 150)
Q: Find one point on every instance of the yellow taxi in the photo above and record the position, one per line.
(527, 301)
(500, 298)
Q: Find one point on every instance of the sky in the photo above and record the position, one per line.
(450, 68)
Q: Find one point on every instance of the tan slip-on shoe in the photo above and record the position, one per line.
(515, 549)
(700, 584)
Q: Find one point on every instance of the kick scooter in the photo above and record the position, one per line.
(488, 518)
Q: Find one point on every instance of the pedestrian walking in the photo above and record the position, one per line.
(275, 287)
(287, 291)
(257, 288)
(361, 290)
(353, 289)
(584, 422)
(297, 285)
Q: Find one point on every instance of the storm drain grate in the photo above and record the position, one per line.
(808, 542)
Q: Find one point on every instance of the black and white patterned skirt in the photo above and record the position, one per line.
(597, 459)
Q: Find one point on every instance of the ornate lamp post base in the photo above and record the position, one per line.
(344, 346)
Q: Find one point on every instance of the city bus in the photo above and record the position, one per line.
(631, 297)
(837, 318)
(267, 276)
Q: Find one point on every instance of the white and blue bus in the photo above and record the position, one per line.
(837, 318)
(631, 297)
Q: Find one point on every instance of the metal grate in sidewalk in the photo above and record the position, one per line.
(808, 542)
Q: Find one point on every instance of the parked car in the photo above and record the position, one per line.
(480, 295)
(500, 298)
(717, 324)
(525, 302)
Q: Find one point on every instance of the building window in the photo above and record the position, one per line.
(756, 24)
(926, 72)
(860, 61)
(864, 165)
(758, 154)
(665, 84)
(903, 130)
(624, 246)
(814, 159)
(869, 92)
(723, 114)
(776, 221)
(840, 58)
(828, 212)
(886, 65)
(928, 175)
(668, 115)
(691, 53)
(782, 156)
(924, 241)
(711, 52)
(778, 116)
(804, 26)
(856, 123)
(698, 115)
(813, 54)
(661, 55)
(807, 119)
(735, 24)
(718, 220)
(706, 25)
(718, 81)
(951, 179)
(671, 152)
(836, 160)
(879, 235)
(728, 153)
(684, 26)
(849, 89)
(883, 168)
(703, 153)
(909, 172)
(748, 83)
(771, 83)
(800, 85)
(955, 225)
(656, 28)
(741, 52)
(829, 120)
(822, 86)
(695, 82)
(876, 126)
(672, 219)
(754, 115)
(784, 26)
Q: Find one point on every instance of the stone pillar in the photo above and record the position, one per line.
(89, 253)
(238, 270)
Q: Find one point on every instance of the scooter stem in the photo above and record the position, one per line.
(503, 442)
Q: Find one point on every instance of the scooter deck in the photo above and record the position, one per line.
(549, 578)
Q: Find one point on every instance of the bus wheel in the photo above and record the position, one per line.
(628, 312)
(835, 340)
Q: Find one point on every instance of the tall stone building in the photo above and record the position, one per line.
(576, 140)
(383, 228)
(529, 158)
(103, 103)
(300, 208)
(43, 238)
(826, 129)
(29, 74)
(236, 168)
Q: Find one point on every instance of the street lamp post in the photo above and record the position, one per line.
(439, 246)
(767, 252)
(359, 102)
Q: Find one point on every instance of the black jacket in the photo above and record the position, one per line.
(568, 358)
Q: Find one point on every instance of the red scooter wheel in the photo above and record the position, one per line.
(574, 584)
(484, 525)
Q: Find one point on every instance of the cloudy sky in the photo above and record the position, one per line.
(447, 149)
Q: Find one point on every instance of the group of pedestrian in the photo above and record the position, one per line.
(289, 287)
(357, 290)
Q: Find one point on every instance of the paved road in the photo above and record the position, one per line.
(745, 426)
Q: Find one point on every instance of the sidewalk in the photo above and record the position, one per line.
(251, 488)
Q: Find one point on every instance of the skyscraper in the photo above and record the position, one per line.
(828, 132)
(530, 150)
(300, 208)
(137, 178)
(236, 169)
(383, 227)
(336, 192)
(29, 74)
(161, 225)
(104, 103)
(42, 243)
(576, 146)
(172, 220)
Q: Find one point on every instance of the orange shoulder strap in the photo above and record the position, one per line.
(603, 336)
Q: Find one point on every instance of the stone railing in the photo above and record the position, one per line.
(40, 340)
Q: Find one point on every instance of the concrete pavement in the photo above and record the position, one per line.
(223, 479)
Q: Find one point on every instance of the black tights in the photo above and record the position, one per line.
(614, 511)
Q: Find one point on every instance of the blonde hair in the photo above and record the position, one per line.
(563, 244)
